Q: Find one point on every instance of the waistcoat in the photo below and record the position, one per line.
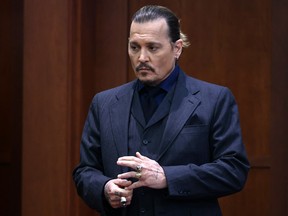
(146, 139)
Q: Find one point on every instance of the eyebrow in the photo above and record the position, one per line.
(147, 44)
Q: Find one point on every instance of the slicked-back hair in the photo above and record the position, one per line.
(153, 12)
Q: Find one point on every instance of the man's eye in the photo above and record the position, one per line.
(153, 48)
(133, 48)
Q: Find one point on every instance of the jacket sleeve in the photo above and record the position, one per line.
(227, 170)
(88, 175)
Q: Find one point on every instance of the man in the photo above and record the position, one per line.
(174, 155)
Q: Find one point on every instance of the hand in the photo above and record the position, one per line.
(115, 189)
(150, 173)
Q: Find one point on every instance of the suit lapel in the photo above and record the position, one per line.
(137, 111)
(183, 105)
(119, 118)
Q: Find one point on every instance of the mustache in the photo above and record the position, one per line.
(144, 65)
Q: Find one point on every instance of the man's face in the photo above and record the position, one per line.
(151, 51)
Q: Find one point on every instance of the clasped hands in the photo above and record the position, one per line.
(149, 173)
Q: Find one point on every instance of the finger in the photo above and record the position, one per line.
(123, 193)
(117, 202)
(130, 164)
(115, 187)
(120, 182)
(138, 155)
(136, 184)
(127, 175)
(128, 158)
(113, 192)
(141, 157)
(123, 182)
(126, 163)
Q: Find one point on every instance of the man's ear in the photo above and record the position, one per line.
(178, 45)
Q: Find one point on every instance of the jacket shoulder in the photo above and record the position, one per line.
(109, 95)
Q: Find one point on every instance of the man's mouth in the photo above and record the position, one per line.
(143, 67)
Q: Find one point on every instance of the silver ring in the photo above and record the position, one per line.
(138, 168)
(123, 201)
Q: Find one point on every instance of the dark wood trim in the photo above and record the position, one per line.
(279, 107)
(11, 83)
(260, 162)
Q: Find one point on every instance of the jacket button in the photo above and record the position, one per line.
(145, 142)
(142, 210)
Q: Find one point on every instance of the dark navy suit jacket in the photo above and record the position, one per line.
(201, 150)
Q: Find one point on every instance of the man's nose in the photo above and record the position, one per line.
(143, 56)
